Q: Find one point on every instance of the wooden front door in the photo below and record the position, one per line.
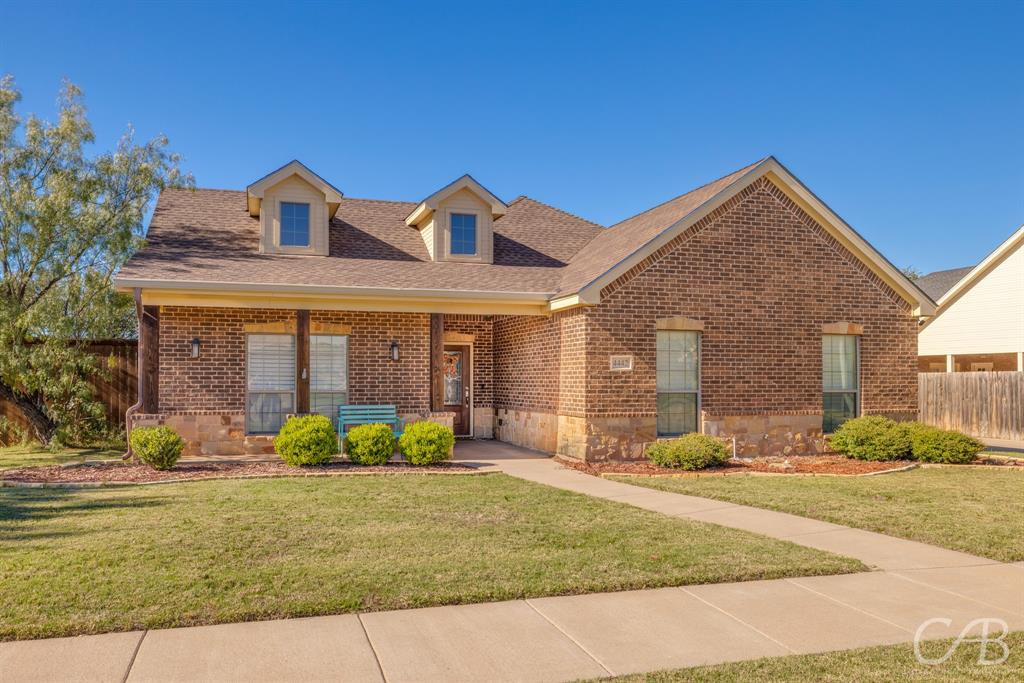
(457, 386)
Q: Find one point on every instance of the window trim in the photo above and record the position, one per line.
(280, 224)
(249, 392)
(855, 392)
(700, 373)
(476, 257)
(476, 232)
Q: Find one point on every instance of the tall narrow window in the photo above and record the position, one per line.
(271, 381)
(463, 234)
(678, 378)
(328, 377)
(294, 225)
(840, 370)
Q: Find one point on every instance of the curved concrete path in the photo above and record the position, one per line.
(573, 637)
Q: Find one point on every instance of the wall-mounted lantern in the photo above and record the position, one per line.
(394, 350)
(195, 347)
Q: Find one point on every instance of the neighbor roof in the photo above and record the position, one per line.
(941, 281)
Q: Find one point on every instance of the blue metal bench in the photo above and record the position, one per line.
(353, 416)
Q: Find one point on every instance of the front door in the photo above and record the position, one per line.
(457, 382)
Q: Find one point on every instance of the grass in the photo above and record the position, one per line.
(93, 560)
(878, 664)
(34, 456)
(978, 511)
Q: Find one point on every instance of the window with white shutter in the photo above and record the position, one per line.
(271, 381)
(328, 377)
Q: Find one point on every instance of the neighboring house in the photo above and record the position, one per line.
(979, 323)
(744, 308)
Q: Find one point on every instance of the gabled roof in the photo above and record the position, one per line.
(975, 275)
(466, 182)
(625, 244)
(294, 167)
(941, 281)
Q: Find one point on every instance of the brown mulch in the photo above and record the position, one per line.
(797, 464)
(115, 472)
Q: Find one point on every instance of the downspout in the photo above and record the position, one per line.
(141, 377)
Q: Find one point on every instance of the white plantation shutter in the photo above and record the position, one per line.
(328, 373)
(271, 381)
(271, 362)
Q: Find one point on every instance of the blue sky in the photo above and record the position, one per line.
(905, 118)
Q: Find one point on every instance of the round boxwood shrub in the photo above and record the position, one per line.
(426, 443)
(158, 447)
(307, 440)
(372, 444)
(689, 452)
(872, 437)
(931, 444)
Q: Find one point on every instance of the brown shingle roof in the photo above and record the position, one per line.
(941, 281)
(208, 236)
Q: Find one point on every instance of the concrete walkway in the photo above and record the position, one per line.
(572, 637)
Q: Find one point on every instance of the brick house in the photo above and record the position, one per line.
(745, 308)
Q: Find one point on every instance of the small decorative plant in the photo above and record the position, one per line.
(158, 447)
(689, 452)
(873, 437)
(426, 443)
(371, 444)
(931, 444)
(307, 440)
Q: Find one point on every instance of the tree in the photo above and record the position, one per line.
(912, 273)
(68, 220)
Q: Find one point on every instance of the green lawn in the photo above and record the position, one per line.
(877, 664)
(93, 560)
(975, 510)
(32, 456)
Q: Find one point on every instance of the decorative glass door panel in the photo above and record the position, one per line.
(453, 361)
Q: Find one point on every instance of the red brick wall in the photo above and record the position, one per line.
(480, 326)
(539, 363)
(764, 277)
(215, 382)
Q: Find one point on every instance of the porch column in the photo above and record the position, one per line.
(149, 353)
(1020, 361)
(950, 366)
(437, 362)
(301, 362)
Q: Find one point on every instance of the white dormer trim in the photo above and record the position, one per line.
(427, 207)
(255, 191)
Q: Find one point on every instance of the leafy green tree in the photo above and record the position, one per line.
(68, 220)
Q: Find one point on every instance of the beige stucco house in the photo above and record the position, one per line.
(745, 308)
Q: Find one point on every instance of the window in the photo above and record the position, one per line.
(839, 368)
(294, 225)
(463, 234)
(678, 380)
(328, 376)
(271, 381)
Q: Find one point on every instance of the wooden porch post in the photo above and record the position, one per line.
(149, 352)
(302, 362)
(437, 361)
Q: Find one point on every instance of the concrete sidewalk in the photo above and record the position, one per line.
(573, 637)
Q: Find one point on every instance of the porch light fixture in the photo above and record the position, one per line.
(394, 350)
(195, 347)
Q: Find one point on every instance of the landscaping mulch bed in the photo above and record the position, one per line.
(119, 473)
(799, 464)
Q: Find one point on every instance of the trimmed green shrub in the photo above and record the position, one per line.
(872, 437)
(307, 440)
(426, 443)
(931, 444)
(689, 452)
(372, 444)
(158, 447)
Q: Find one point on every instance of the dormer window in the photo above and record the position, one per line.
(294, 224)
(463, 234)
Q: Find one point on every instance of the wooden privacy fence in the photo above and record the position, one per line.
(983, 404)
(116, 388)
